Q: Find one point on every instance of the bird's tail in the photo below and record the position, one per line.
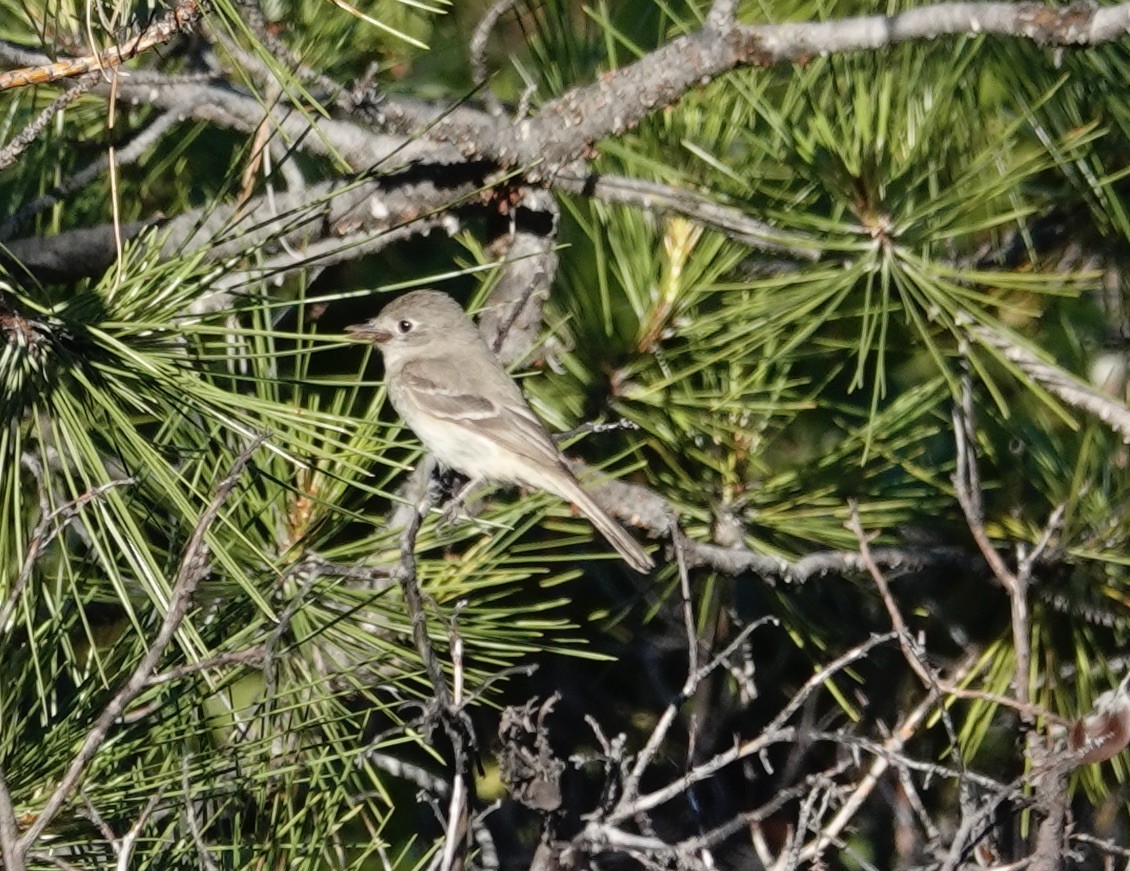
(630, 549)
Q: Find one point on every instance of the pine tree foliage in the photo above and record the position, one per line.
(943, 279)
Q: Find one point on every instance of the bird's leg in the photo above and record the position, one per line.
(436, 487)
(453, 510)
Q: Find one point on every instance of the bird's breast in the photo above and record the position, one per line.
(458, 445)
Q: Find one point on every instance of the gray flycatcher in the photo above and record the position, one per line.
(462, 404)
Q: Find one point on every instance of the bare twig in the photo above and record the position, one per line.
(458, 812)
(203, 853)
(414, 774)
(346, 218)
(1071, 390)
(9, 829)
(1102, 846)
(1047, 766)
(192, 569)
(646, 509)
(254, 18)
(1051, 800)
(596, 427)
(686, 604)
(478, 47)
(126, 845)
(181, 18)
(907, 643)
(752, 819)
(900, 735)
(776, 731)
(937, 770)
(967, 487)
(646, 755)
(1050, 786)
(44, 533)
(21, 142)
(100, 822)
(454, 720)
(414, 601)
(320, 255)
(665, 199)
(1026, 710)
(971, 829)
(512, 319)
(128, 153)
(251, 656)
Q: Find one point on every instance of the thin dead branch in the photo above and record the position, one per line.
(180, 19)
(192, 569)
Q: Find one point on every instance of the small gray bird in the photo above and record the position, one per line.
(453, 393)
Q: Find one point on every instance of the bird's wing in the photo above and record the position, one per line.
(491, 406)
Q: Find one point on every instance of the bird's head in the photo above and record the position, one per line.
(422, 318)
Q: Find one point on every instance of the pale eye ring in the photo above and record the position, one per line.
(404, 326)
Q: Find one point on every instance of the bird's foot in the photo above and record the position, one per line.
(454, 511)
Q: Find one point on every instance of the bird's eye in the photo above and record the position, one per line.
(404, 326)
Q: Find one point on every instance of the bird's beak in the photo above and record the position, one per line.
(367, 332)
